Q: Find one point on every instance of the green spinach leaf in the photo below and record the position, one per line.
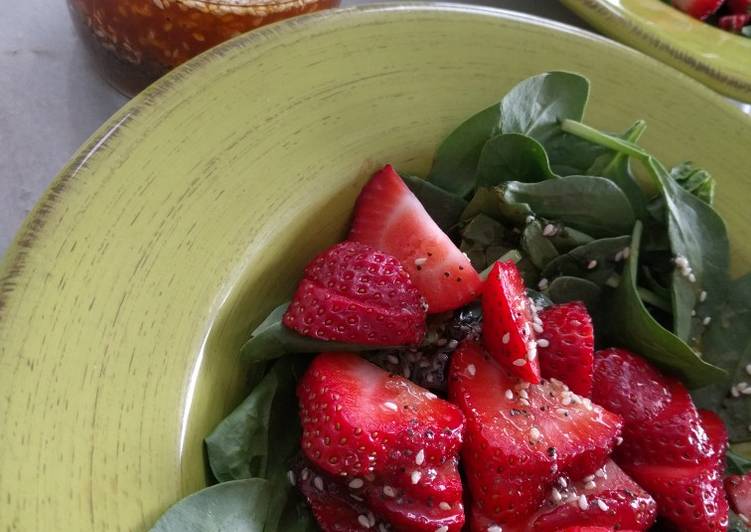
(637, 330)
(735, 523)
(237, 506)
(445, 208)
(513, 157)
(737, 464)
(537, 246)
(593, 205)
(595, 261)
(272, 339)
(484, 240)
(695, 180)
(565, 238)
(564, 289)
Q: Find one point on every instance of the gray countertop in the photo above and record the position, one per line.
(52, 99)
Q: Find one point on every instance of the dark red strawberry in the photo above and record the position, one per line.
(675, 436)
(508, 322)
(700, 9)
(691, 498)
(521, 437)
(626, 384)
(608, 498)
(738, 488)
(739, 7)
(355, 294)
(593, 529)
(717, 433)
(389, 217)
(565, 342)
(734, 23)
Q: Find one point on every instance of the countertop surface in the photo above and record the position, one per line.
(52, 99)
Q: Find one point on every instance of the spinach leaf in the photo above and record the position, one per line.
(695, 180)
(564, 289)
(595, 261)
(491, 202)
(512, 157)
(727, 344)
(590, 204)
(571, 155)
(637, 330)
(445, 208)
(534, 108)
(606, 140)
(538, 248)
(511, 254)
(237, 506)
(239, 447)
(484, 240)
(565, 239)
(737, 464)
(697, 235)
(735, 523)
(456, 159)
(272, 339)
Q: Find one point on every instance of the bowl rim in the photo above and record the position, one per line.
(622, 23)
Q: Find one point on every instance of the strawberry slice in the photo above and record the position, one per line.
(717, 432)
(738, 488)
(388, 216)
(521, 437)
(700, 9)
(355, 294)
(508, 322)
(734, 23)
(566, 346)
(608, 498)
(626, 384)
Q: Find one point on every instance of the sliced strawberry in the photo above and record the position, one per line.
(717, 432)
(566, 346)
(593, 529)
(358, 419)
(520, 437)
(739, 7)
(734, 23)
(738, 488)
(608, 498)
(508, 322)
(389, 217)
(675, 436)
(356, 294)
(700, 9)
(627, 385)
(691, 498)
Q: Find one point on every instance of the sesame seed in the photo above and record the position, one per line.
(494, 528)
(363, 520)
(600, 473)
(703, 296)
(452, 344)
(693, 313)
(555, 495)
(582, 502)
(355, 497)
(392, 359)
(744, 518)
(420, 261)
(388, 491)
(681, 262)
(472, 370)
(589, 478)
(590, 485)
(748, 369)
(442, 529)
(415, 477)
(523, 402)
(431, 395)
(618, 441)
(746, 391)
(548, 230)
(538, 328)
(562, 482)
(626, 252)
(534, 434)
(444, 506)
(391, 406)
(524, 385)
(543, 284)
(591, 265)
(505, 338)
(602, 506)
(542, 342)
(618, 256)
(371, 519)
(529, 219)
(305, 474)
(691, 278)
(735, 392)
(318, 483)
(519, 362)
(420, 457)
(707, 320)
(291, 477)
(741, 386)
(509, 395)
(523, 394)
(382, 528)
(441, 342)
(566, 400)
(356, 483)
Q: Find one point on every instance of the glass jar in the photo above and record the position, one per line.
(134, 42)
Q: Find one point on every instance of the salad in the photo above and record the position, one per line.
(540, 335)
(730, 15)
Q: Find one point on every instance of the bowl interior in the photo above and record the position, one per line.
(191, 214)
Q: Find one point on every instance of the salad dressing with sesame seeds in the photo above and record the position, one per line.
(137, 41)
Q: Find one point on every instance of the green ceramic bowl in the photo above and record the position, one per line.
(191, 213)
(720, 59)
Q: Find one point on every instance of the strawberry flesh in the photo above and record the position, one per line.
(521, 437)
(734, 23)
(739, 7)
(700, 9)
(508, 322)
(353, 293)
(738, 488)
(389, 217)
(566, 346)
